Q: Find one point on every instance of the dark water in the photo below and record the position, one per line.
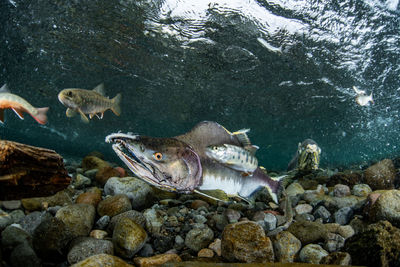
(285, 69)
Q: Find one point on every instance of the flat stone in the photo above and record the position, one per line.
(205, 253)
(128, 238)
(156, 260)
(286, 246)
(303, 208)
(312, 253)
(102, 260)
(98, 234)
(308, 232)
(61, 198)
(246, 242)
(114, 205)
(11, 204)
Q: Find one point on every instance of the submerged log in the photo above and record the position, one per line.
(28, 171)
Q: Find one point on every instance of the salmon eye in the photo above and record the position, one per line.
(215, 147)
(69, 93)
(158, 156)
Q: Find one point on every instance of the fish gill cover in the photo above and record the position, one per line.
(285, 69)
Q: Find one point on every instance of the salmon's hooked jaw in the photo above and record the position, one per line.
(130, 150)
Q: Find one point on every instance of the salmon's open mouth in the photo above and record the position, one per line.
(126, 150)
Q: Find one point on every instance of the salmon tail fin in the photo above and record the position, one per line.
(116, 104)
(41, 116)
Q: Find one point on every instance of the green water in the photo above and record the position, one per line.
(284, 70)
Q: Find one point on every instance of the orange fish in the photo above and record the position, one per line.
(20, 105)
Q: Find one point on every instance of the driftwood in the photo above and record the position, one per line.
(28, 171)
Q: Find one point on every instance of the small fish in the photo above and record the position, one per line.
(92, 102)
(362, 98)
(181, 164)
(235, 157)
(19, 106)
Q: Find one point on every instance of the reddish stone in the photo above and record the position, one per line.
(106, 173)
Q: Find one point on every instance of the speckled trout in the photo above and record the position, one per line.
(19, 106)
(92, 102)
(180, 164)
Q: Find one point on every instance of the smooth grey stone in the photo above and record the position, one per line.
(343, 215)
(323, 213)
(103, 222)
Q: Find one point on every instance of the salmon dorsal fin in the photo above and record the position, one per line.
(242, 136)
(4, 89)
(100, 89)
(208, 133)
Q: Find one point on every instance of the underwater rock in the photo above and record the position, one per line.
(205, 253)
(50, 239)
(154, 220)
(91, 197)
(11, 204)
(78, 218)
(294, 189)
(98, 234)
(81, 181)
(156, 260)
(381, 175)
(312, 253)
(341, 190)
(5, 219)
(308, 232)
(138, 191)
(106, 173)
(93, 162)
(303, 208)
(199, 238)
(246, 242)
(23, 255)
(114, 205)
(361, 190)
(286, 246)
(33, 219)
(103, 222)
(28, 171)
(380, 240)
(216, 246)
(198, 203)
(128, 238)
(337, 258)
(349, 178)
(84, 247)
(13, 236)
(386, 207)
(102, 260)
(323, 213)
(232, 215)
(333, 242)
(343, 215)
(59, 199)
(134, 215)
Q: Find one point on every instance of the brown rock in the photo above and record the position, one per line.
(102, 260)
(286, 246)
(128, 238)
(114, 205)
(37, 203)
(122, 171)
(371, 199)
(106, 173)
(337, 258)
(205, 253)
(98, 234)
(93, 198)
(93, 162)
(381, 175)
(387, 207)
(246, 242)
(28, 171)
(379, 245)
(216, 246)
(349, 178)
(199, 203)
(156, 260)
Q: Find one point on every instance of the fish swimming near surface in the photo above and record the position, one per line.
(92, 102)
(362, 98)
(181, 164)
(19, 106)
(307, 157)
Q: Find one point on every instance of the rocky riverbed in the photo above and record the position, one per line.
(107, 216)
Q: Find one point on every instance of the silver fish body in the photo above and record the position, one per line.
(235, 157)
(181, 164)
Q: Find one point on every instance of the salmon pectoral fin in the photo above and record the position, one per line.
(19, 112)
(83, 116)
(70, 112)
(1, 116)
